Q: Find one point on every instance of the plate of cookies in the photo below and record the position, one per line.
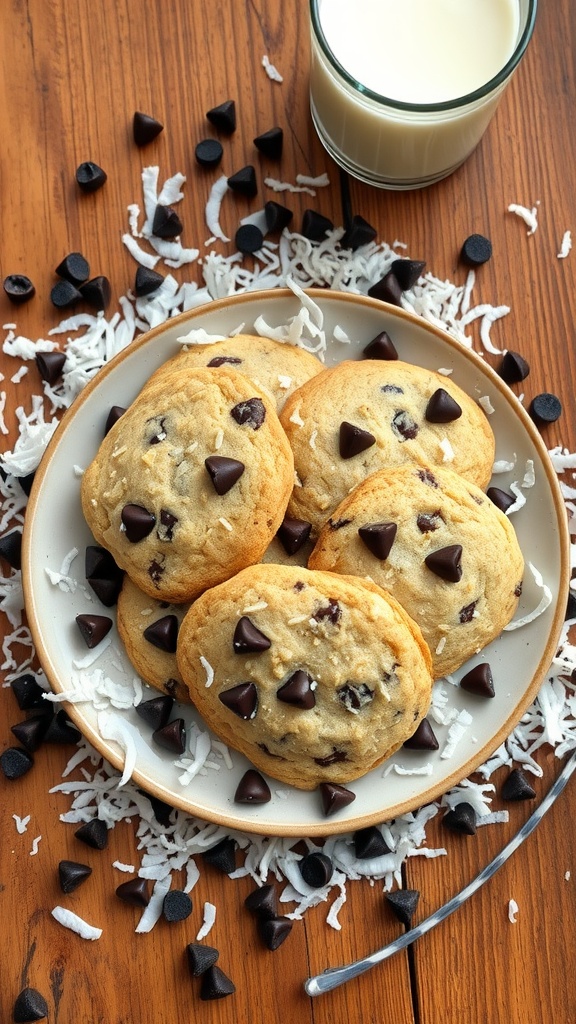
(296, 562)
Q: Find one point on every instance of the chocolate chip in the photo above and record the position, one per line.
(166, 222)
(248, 639)
(427, 522)
(93, 833)
(216, 984)
(18, 288)
(369, 843)
(222, 855)
(177, 905)
(145, 128)
(116, 411)
(392, 389)
(336, 757)
(103, 575)
(403, 902)
(93, 628)
(90, 176)
(381, 347)
(502, 499)
(517, 787)
(407, 272)
(50, 365)
(71, 874)
(162, 810)
(156, 570)
(242, 700)
(147, 281)
(331, 612)
(518, 589)
(293, 534)
(403, 426)
(355, 696)
(74, 268)
(26, 482)
(163, 633)
(358, 233)
(159, 429)
(135, 892)
(252, 789)
(31, 731)
(64, 294)
(171, 736)
(30, 1005)
(277, 216)
(462, 818)
(479, 680)
(445, 563)
(262, 901)
(466, 614)
(513, 368)
(223, 472)
(378, 538)
(138, 522)
(442, 408)
(97, 292)
(223, 116)
(353, 440)
(168, 520)
(273, 931)
(476, 250)
(244, 181)
(423, 738)
(28, 692)
(298, 691)
(338, 524)
(248, 238)
(200, 958)
(427, 478)
(571, 606)
(545, 408)
(334, 797)
(11, 548)
(208, 152)
(252, 412)
(316, 870)
(60, 730)
(15, 762)
(270, 143)
(315, 226)
(387, 289)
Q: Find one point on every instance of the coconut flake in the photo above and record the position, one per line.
(76, 924)
(529, 216)
(286, 186)
(273, 74)
(213, 204)
(21, 823)
(153, 911)
(565, 245)
(128, 868)
(208, 670)
(209, 917)
(486, 404)
(112, 727)
(512, 911)
(543, 604)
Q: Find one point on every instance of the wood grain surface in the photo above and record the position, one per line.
(71, 76)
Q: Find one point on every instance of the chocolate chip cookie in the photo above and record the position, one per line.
(149, 631)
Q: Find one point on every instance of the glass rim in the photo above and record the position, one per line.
(458, 101)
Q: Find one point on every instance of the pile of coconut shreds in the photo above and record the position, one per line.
(97, 790)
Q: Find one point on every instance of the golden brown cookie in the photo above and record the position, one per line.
(149, 631)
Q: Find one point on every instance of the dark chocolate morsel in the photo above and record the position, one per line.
(222, 855)
(163, 633)
(31, 731)
(262, 901)
(355, 696)
(60, 730)
(423, 738)
(172, 736)
(571, 606)
(223, 472)
(248, 639)
(270, 143)
(166, 525)
(216, 984)
(15, 762)
(298, 691)
(427, 478)
(147, 281)
(74, 268)
(334, 797)
(442, 408)
(135, 892)
(103, 575)
(93, 628)
(381, 347)
(90, 176)
(50, 365)
(293, 534)
(336, 757)
(248, 238)
(513, 368)
(315, 226)
(338, 524)
(252, 789)
(359, 232)
(403, 426)
(476, 250)
(427, 522)
(221, 360)
(378, 538)
(97, 292)
(545, 408)
(156, 570)
(166, 222)
(71, 874)
(162, 810)
(138, 522)
(18, 288)
(502, 499)
(200, 958)
(208, 152)
(479, 680)
(28, 692)
(316, 869)
(462, 818)
(277, 216)
(353, 440)
(517, 787)
(11, 548)
(64, 294)
(387, 289)
(223, 116)
(116, 411)
(177, 905)
(93, 833)
(244, 181)
(242, 700)
(156, 711)
(145, 128)
(273, 931)
(252, 412)
(466, 614)
(445, 563)
(330, 612)
(369, 842)
(407, 272)
(30, 1005)
(26, 482)
(403, 902)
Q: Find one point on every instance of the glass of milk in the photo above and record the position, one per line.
(401, 91)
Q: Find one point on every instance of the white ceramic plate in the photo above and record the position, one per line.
(519, 659)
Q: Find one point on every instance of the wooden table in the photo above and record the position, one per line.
(72, 76)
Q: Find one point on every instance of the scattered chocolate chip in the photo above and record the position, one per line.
(298, 691)
(15, 762)
(392, 389)
(200, 958)
(427, 478)
(387, 289)
(138, 522)
(273, 931)
(166, 222)
(135, 892)
(90, 176)
(242, 700)
(513, 368)
(93, 833)
(156, 571)
(403, 426)
(369, 842)
(248, 238)
(545, 408)
(74, 268)
(423, 738)
(466, 614)
(162, 810)
(292, 534)
(223, 116)
(60, 730)
(251, 412)
(208, 152)
(163, 633)
(299, 586)
(28, 692)
(442, 408)
(315, 226)
(403, 902)
(223, 472)
(64, 294)
(248, 639)
(221, 360)
(216, 984)
(50, 365)
(336, 757)
(316, 869)
(147, 281)
(359, 233)
(479, 680)
(571, 606)
(177, 905)
(18, 288)
(355, 696)
(270, 143)
(353, 440)
(334, 797)
(103, 575)
(277, 216)
(145, 128)
(407, 272)
(222, 855)
(11, 548)
(97, 292)
(116, 411)
(427, 522)
(168, 520)
(26, 482)
(30, 1005)
(252, 789)
(244, 181)
(462, 818)
(378, 538)
(262, 901)
(476, 250)
(171, 736)
(517, 787)
(445, 563)
(93, 628)
(71, 874)
(331, 612)
(381, 347)
(502, 499)
(158, 429)
(31, 731)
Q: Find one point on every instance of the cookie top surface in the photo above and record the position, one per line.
(359, 417)
(394, 521)
(148, 629)
(275, 367)
(191, 483)
(317, 677)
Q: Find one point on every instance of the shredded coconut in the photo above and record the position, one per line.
(21, 823)
(208, 921)
(271, 71)
(512, 911)
(76, 924)
(35, 845)
(529, 216)
(565, 245)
